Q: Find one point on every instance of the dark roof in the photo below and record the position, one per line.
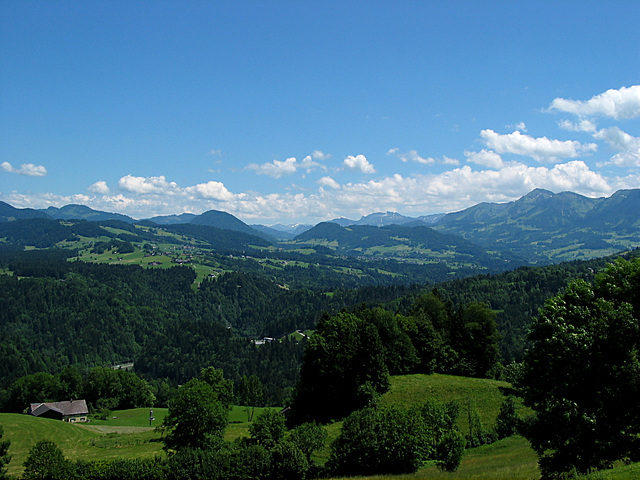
(68, 407)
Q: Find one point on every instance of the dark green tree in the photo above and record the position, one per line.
(507, 421)
(268, 428)
(288, 462)
(582, 375)
(71, 383)
(222, 387)
(309, 437)
(250, 394)
(197, 419)
(443, 440)
(388, 440)
(343, 369)
(46, 462)
(478, 342)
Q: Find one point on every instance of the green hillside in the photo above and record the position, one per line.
(86, 442)
(482, 394)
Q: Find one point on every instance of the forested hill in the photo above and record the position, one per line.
(419, 243)
(543, 226)
(54, 312)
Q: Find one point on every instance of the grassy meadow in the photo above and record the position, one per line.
(127, 434)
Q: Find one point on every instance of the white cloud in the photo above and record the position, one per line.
(318, 155)
(275, 169)
(541, 149)
(411, 156)
(618, 104)
(100, 187)
(211, 190)
(328, 182)
(451, 190)
(28, 169)
(279, 168)
(148, 185)
(581, 126)
(487, 158)
(358, 163)
(628, 147)
(519, 126)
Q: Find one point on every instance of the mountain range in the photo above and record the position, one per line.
(539, 227)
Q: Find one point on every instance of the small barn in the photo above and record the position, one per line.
(68, 411)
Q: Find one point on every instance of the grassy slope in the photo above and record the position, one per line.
(128, 435)
(484, 395)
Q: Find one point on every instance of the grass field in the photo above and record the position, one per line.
(484, 395)
(127, 434)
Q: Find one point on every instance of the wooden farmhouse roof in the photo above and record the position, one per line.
(66, 408)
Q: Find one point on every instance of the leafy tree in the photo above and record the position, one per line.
(477, 340)
(377, 441)
(308, 437)
(507, 421)
(478, 435)
(443, 440)
(250, 394)
(39, 387)
(582, 374)
(196, 417)
(449, 450)
(288, 462)
(400, 354)
(343, 369)
(222, 387)
(268, 428)
(46, 462)
(107, 388)
(70, 382)
(5, 458)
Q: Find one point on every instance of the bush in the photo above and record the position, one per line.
(507, 421)
(449, 450)
(268, 428)
(374, 441)
(46, 462)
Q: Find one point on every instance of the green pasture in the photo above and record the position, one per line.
(125, 434)
(484, 395)
(511, 458)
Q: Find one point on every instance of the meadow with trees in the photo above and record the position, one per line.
(567, 372)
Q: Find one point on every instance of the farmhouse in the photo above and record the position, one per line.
(69, 411)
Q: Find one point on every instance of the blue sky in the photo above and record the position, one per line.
(300, 111)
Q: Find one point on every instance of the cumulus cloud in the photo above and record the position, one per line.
(628, 146)
(28, 169)
(280, 168)
(211, 190)
(540, 149)
(275, 169)
(487, 158)
(148, 185)
(411, 156)
(100, 187)
(328, 182)
(581, 126)
(318, 155)
(623, 103)
(358, 163)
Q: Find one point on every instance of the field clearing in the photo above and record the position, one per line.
(483, 394)
(128, 435)
(511, 458)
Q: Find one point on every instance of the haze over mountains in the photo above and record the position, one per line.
(539, 227)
